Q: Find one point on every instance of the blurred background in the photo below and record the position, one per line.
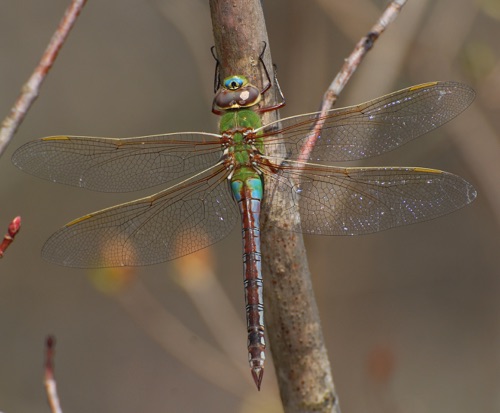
(410, 316)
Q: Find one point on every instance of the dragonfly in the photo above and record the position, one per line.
(224, 178)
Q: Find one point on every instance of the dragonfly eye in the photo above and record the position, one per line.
(235, 82)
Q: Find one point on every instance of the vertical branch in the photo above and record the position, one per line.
(292, 319)
(240, 36)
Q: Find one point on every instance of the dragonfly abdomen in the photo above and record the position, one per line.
(247, 189)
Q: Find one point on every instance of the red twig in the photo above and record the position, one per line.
(31, 88)
(13, 229)
(348, 69)
(49, 380)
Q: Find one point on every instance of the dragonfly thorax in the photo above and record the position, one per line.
(241, 144)
(240, 149)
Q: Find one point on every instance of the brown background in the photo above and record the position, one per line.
(411, 316)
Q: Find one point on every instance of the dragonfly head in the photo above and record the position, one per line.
(236, 92)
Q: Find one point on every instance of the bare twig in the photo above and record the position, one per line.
(348, 69)
(31, 88)
(359, 52)
(13, 229)
(49, 380)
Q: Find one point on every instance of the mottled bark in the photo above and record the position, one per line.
(291, 315)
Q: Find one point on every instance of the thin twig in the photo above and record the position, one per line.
(348, 69)
(49, 380)
(359, 52)
(13, 229)
(288, 356)
(31, 88)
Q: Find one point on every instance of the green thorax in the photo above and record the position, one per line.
(239, 118)
(233, 122)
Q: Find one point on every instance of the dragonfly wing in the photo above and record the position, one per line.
(175, 222)
(118, 165)
(351, 201)
(371, 128)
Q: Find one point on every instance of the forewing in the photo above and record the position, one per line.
(172, 223)
(118, 165)
(351, 201)
(372, 128)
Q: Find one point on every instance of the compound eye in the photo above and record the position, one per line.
(234, 82)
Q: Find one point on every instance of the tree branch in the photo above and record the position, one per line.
(240, 34)
(292, 320)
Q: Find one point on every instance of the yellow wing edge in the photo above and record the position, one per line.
(427, 170)
(422, 86)
(78, 220)
(56, 138)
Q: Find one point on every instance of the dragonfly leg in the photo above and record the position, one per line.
(217, 70)
(281, 103)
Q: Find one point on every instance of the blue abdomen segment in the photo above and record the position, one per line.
(249, 188)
